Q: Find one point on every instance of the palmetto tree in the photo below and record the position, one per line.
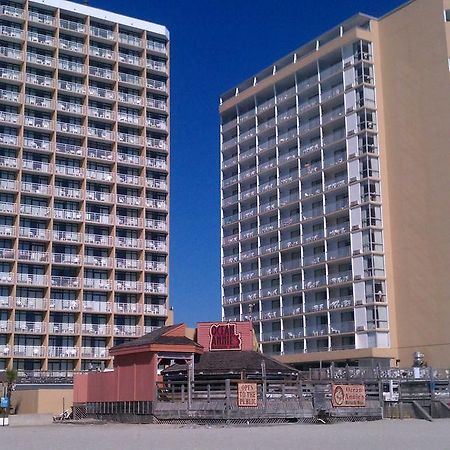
(10, 378)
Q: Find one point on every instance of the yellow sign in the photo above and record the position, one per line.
(348, 395)
(247, 395)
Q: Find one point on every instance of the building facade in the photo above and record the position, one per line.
(327, 194)
(84, 176)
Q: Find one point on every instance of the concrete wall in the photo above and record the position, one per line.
(415, 137)
(42, 401)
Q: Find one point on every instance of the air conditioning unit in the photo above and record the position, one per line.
(357, 277)
(354, 203)
(349, 110)
(358, 302)
(355, 227)
(350, 132)
(347, 64)
(360, 328)
(356, 252)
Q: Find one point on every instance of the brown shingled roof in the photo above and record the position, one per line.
(225, 362)
(157, 336)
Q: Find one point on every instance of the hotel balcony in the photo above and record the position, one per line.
(97, 307)
(11, 11)
(156, 163)
(150, 328)
(159, 105)
(129, 179)
(32, 256)
(38, 38)
(41, 18)
(30, 327)
(129, 159)
(103, 197)
(156, 204)
(132, 264)
(156, 47)
(70, 107)
(157, 66)
(97, 239)
(342, 252)
(157, 85)
(95, 283)
(100, 133)
(130, 79)
(65, 192)
(101, 113)
(129, 242)
(127, 308)
(104, 53)
(6, 95)
(102, 33)
(72, 26)
(105, 94)
(341, 302)
(67, 214)
(94, 352)
(37, 122)
(9, 139)
(157, 144)
(37, 144)
(10, 118)
(130, 139)
(104, 219)
(66, 236)
(127, 221)
(96, 153)
(40, 60)
(65, 282)
(72, 46)
(63, 328)
(104, 74)
(66, 259)
(11, 53)
(28, 279)
(130, 40)
(9, 185)
(155, 288)
(6, 302)
(72, 87)
(5, 326)
(7, 208)
(99, 175)
(127, 330)
(155, 310)
(29, 351)
(64, 305)
(130, 99)
(340, 277)
(134, 286)
(5, 350)
(63, 352)
(133, 119)
(316, 330)
(155, 266)
(315, 283)
(270, 336)
(154, 224)
(97, 261)
(153, 183)
(7, 162)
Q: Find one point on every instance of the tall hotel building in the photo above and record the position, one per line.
(83, 183)
(335, 194)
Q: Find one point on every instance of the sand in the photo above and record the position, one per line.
(386, 434)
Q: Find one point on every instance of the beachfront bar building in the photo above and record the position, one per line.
(334, 180)
(84, 177)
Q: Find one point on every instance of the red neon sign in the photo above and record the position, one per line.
(223, 336)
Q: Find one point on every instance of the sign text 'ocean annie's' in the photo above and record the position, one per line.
(223, 336)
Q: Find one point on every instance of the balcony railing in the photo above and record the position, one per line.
(157, 163)
(72, 46)
(127, 330)
(100, 133)
(63, 328)
(64, 305)
(70, 107)
(156, 84)
(99, 175)
(123, 263)
(39, 38)
(39, 211)
(129, 221)
(10, 74)
(155, 266)
(30, 327)
(98, 239)
(156, 310)
(102, 33)
(96, 329)
(98, 218)
(11, 32)
(157, 246)
(94, 352)
(42, 60)
(11, 11)
(100, 72)
(129, 242)
(67, 214)
(158, 66)
(129, 158)
(97, 307)
(156, 183)
(156, 104)
(155, 224)
(66, 236)
(12, 53)
(159, 144)
(128, 308)
(97, 261)
(156, 46)
(155, 288)
(130, 40)
(30, 351)
(130, 138)
(95, 283)
(66, 258)
(99, 196)
(70, 86)
(67, 192)
(33, 256)
(102, 52)
(6, 278)
(71, 25)
(67, 282)
(37, 144)
(62, 352)
(128, 179)
(103, 93)
(131, 79)
(8, 139)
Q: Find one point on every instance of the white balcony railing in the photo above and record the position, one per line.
(70, 86)
(155, 288)
(63, 352)
(67, 282)
(66, 236)
(64, 305)
(30, 351)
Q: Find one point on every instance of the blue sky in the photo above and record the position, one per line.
(216, 44)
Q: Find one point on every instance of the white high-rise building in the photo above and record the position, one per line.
(84, 176)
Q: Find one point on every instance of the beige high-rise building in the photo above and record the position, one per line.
(84, 175)
(336, 194)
